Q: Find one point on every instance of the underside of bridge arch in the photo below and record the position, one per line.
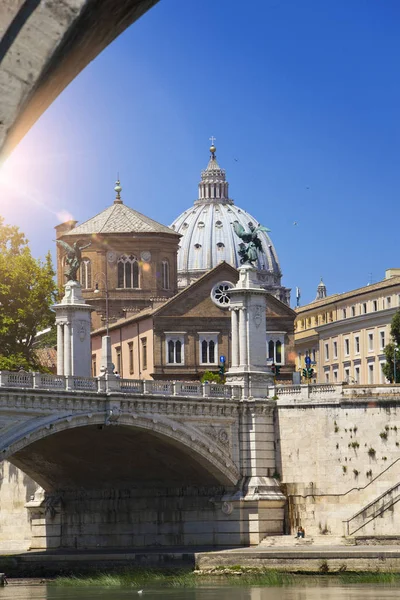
(125, 486)
(44, 45)
(101, 457)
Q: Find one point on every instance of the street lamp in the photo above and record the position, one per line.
(103, 276)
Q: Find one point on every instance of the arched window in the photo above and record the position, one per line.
(208, 348)
(271, 350)
(85, 274)
(165, 274)
(276, 348)
(128, 272)
(175, 348)
(278, 352)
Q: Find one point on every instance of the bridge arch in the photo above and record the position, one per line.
(74, 450)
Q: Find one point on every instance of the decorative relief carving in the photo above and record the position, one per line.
(227, 508)
(219, 434)
(257, 314)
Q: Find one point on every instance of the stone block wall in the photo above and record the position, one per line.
(16, 489)
(151, 517)
(338, 458)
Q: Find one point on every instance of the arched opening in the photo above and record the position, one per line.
(124, 486)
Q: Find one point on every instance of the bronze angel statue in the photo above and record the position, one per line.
(73, 258)
(248, 253)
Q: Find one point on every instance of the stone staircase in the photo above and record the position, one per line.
(290, 541)
(374, 509)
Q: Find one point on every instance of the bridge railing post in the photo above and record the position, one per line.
(147, 386)
(206, 389)
(177, 387)
(69, 383)
(37, 380)
(101, 384)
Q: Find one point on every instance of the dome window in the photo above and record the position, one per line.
(218, 224)
(185, 225)
(197, 246)
(220, 245)
(220, 294)
(200, 225)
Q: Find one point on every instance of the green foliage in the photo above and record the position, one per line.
(371, 452)
(211, 377)
(388, 367)
(27, 291)
(384, 435)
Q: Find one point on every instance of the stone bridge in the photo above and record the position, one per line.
(44, 45)
(138, 463)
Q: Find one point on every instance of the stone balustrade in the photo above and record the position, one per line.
(45, 381)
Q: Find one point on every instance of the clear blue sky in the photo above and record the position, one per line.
(304, 94)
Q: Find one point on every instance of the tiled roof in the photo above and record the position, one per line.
(119, 218)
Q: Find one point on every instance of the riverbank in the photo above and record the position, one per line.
(150, 578)
(320, 560)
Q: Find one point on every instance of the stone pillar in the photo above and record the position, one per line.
(242, 337)
(60, 348)
(235, 339)
(67, 349)
(258, 498)
(73, 333)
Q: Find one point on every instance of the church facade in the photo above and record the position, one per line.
(162, 293)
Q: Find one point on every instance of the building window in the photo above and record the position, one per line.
(335, 349)
(357, 344)
(275, 349)
(94, 365)
(347, 347)
(357, 375)
(388, 302)
(326, 351)
(165, 274)
(353, 311)
(370, 374)
(335, 376)
(375, 304)
(174, 352)
(128, 272)
(344, 313)
(370, 342)
(86, 273)
(144, 353)
(175, 344)
(208, 348)
(313, 356)
(326, 376)
(382, 339)
(347, 375)
(131, 363)
(365, 308)
(382, 374)
(118, 361)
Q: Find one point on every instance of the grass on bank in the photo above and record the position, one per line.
(233, 576)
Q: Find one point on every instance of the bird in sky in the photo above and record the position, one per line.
(295, 223)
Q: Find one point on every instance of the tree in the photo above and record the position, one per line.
(27, 291)
(388, 367)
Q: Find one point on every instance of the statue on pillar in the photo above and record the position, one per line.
(73, 258)
(251, 242)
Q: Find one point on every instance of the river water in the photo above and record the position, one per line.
(313, 592)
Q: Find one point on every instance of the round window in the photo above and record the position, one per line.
(220, 293)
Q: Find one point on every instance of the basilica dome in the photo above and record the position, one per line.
(208, 237)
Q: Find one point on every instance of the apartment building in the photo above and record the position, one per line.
(345, 334)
